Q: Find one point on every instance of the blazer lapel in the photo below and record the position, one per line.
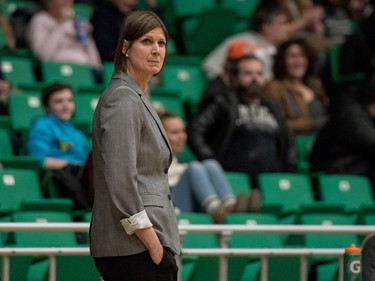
(148, 105)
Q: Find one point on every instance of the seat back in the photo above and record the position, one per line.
(76, 75)
(351, 190)
(43, 239)
(5, 143)
(239, 182)
(170, 101)
(324, 240)
(23, 109)
(85, 105)
(304, 144)
(18, 70)
(289, 190)
(17, 185)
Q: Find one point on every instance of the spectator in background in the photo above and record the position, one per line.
(346, 144)
(5, 87)
(107, 20)
(243, 129)
(297, 89)
(220, 85)
(10, 39)
(56, 35)
(59, 145)
(268, 30)
(197, 186)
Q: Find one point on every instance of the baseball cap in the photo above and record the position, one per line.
(239, 49)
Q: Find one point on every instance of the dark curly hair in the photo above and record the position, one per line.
(279, 65)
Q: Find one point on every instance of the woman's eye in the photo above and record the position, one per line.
(161, 44)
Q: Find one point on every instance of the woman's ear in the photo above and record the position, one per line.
(125, 47)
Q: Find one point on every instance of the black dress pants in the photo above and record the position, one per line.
(138, 267)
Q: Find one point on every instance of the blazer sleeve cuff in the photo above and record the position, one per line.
(135, 222)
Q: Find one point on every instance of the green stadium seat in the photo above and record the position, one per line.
(19, 70)
(9, 160)
(21, 190)
(166, 100)
(248, 268)
(84, 111)
(79, 76)
(353, 191)
(239, 182)
(304, 144)
(294, 193)
(188, 80)
(198, 268)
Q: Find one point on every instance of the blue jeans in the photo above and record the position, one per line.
(201, 182)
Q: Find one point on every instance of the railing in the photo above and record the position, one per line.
(223, 231)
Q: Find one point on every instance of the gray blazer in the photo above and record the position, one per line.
(131, 156)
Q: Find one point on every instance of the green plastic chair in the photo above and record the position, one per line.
(9, 160)
(353, 191)
(76, 75)
(244, 9)
(188, 80)
(82, 10)
(198, 268)
(240, 182)
(248, 268)
(108, 68)
(21, 190)
(336, 76)
(84, 111)
(208, 29)
(18, 70)
(166, 100)
(304, 144)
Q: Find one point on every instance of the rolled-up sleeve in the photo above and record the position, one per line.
(135, 222)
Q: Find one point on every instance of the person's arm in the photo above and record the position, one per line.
(122, 118)
(152, 243)
(9, 34)
(45, 37)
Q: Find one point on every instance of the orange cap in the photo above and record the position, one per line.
(239, 49)
(352, 249)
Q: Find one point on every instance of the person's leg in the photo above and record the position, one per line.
(138, 267)
(219, 181)
(201, 186)
(182, 195)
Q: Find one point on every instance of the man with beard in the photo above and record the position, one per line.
(242, 129)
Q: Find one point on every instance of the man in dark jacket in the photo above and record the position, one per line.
(346, 144)
(242, 129)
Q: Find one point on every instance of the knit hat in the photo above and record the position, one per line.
(239, 49)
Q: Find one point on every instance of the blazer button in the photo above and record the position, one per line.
(169, 197)
(166, 171)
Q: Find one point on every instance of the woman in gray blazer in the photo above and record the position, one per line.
(133, 232)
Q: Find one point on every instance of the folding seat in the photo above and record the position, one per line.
(198, 268)
(22, 110)
(304, 144)
(188, 80)
(327, 266)
(240, 182)
(248, 268)
(203, 32)
(9, 160)
(294, 193)
(244, 10)
(353, 191)
(20, 71)
(84, 111)
(68, 268)
(167, 100)
(79, 76)
(21, 190)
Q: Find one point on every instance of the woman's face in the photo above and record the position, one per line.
(61, 105)
(296, 62)
(145, 57)
(175, 129)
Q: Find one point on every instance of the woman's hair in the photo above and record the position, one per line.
(164, 115)
(134, 26)
(279, 65)
(48, 91)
